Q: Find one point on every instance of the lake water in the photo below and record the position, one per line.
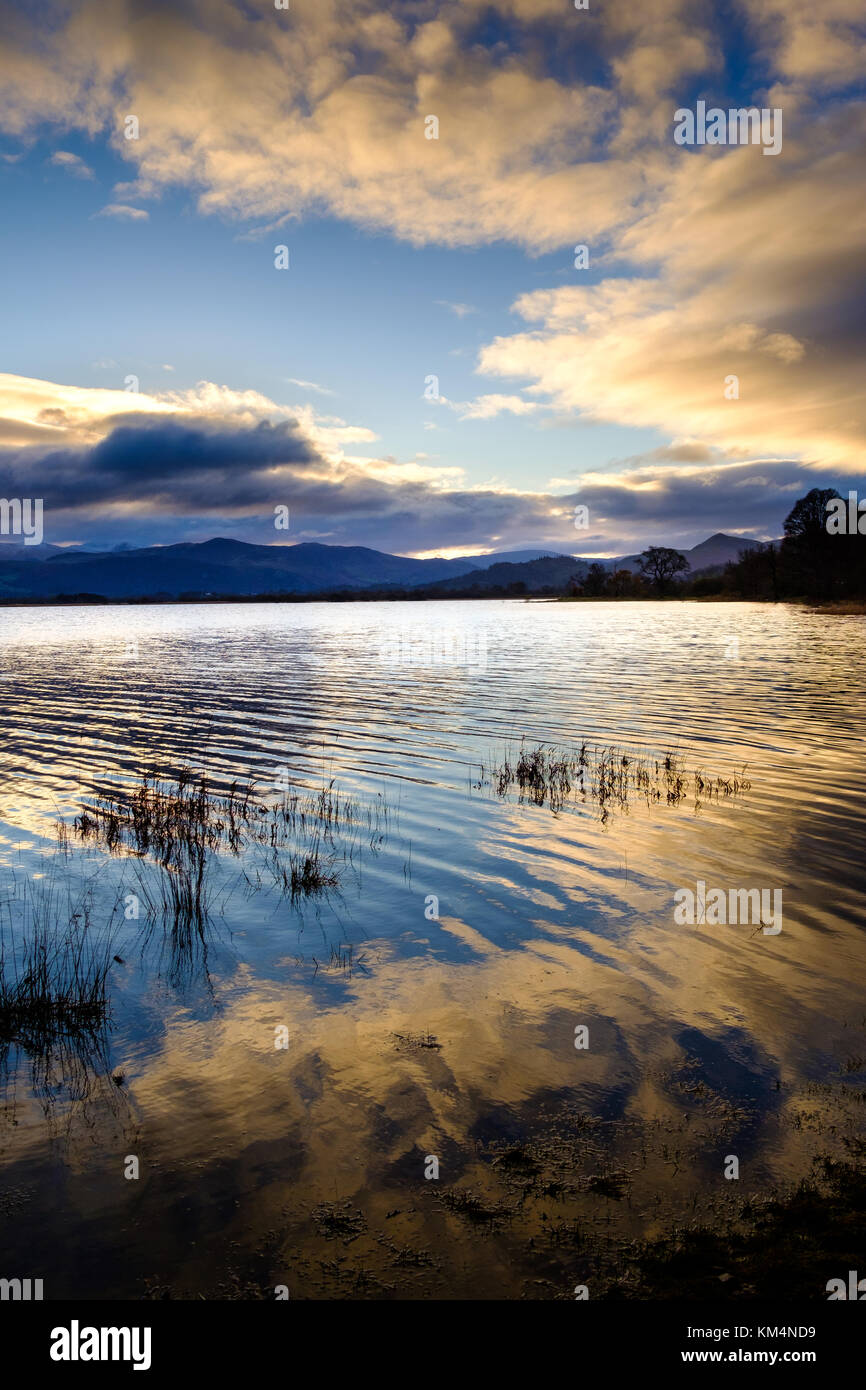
(431, 995)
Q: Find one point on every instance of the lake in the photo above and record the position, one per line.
(490, 984)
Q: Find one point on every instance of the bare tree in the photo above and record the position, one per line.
(660, 565)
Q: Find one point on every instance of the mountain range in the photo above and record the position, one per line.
(223, 566)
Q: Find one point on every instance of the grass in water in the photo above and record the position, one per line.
(53, 978)
(605, 776)
(180, 822)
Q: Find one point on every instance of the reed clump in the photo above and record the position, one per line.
(181, 822)
(606, 776)
(53, 978)
(165, 817)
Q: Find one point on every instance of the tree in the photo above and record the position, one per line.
(624, 584)
(807, 519)
(660, 565)
(595, 580)
(811, 558)
(754, 574)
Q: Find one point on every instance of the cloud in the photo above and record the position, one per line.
(818, 44)
(461, 310)
(287, 115)
(559, 130)
(644, 500)
(731, 288)
(168, 477)
(212, 460)
(309, 386)
(486, 407)
(73, 163)
(123, 211)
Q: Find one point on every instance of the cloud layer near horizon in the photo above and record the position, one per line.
(188, 465)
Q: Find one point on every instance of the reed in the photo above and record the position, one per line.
(182, 821)
(606, 776)
(53, 978)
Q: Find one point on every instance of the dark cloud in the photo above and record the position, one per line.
(163, 480)
(683, 506)
(157, 479)
(172, 448)
(173, 462)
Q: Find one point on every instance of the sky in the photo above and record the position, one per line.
(435, 371)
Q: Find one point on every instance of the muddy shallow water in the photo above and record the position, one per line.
(430, 995)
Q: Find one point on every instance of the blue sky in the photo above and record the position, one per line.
(196, 293)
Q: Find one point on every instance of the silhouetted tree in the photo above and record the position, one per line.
(754, 574)
(661, 565)
(812, 558)
(595, 580)
(625, 583)
(812, 561)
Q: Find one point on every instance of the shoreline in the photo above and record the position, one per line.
(845, 607)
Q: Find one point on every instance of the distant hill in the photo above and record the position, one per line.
(534, 576)
(222, 567)
(230, 567)
(715, 552)
(513, 557)
(720, 550)
(17, 550)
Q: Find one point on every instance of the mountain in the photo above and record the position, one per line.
(549, 574)
(219, 566)
(513, 557)
(715, 552)
(17, 550)
(719, 550)
(222, 566)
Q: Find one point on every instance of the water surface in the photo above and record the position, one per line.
(413, 1036)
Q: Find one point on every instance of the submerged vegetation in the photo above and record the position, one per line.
(605, 776)
(179, 823)
(54, 1002)
(52, 978)
(178, 835)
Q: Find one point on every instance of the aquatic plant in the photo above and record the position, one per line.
(52, 978)
(604, 775)
(178, 822)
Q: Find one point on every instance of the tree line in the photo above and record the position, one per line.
(821, 555)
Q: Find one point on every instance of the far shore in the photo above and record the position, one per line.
(848, 606)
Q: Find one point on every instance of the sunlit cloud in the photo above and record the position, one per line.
(460, 310)
(123, 212)
(72, 163)
(309, 386)
(487, 407)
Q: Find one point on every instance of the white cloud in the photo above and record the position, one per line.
(73, 163)
(461, 310)
(310, 386)
(123, 211)
(486, 407)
